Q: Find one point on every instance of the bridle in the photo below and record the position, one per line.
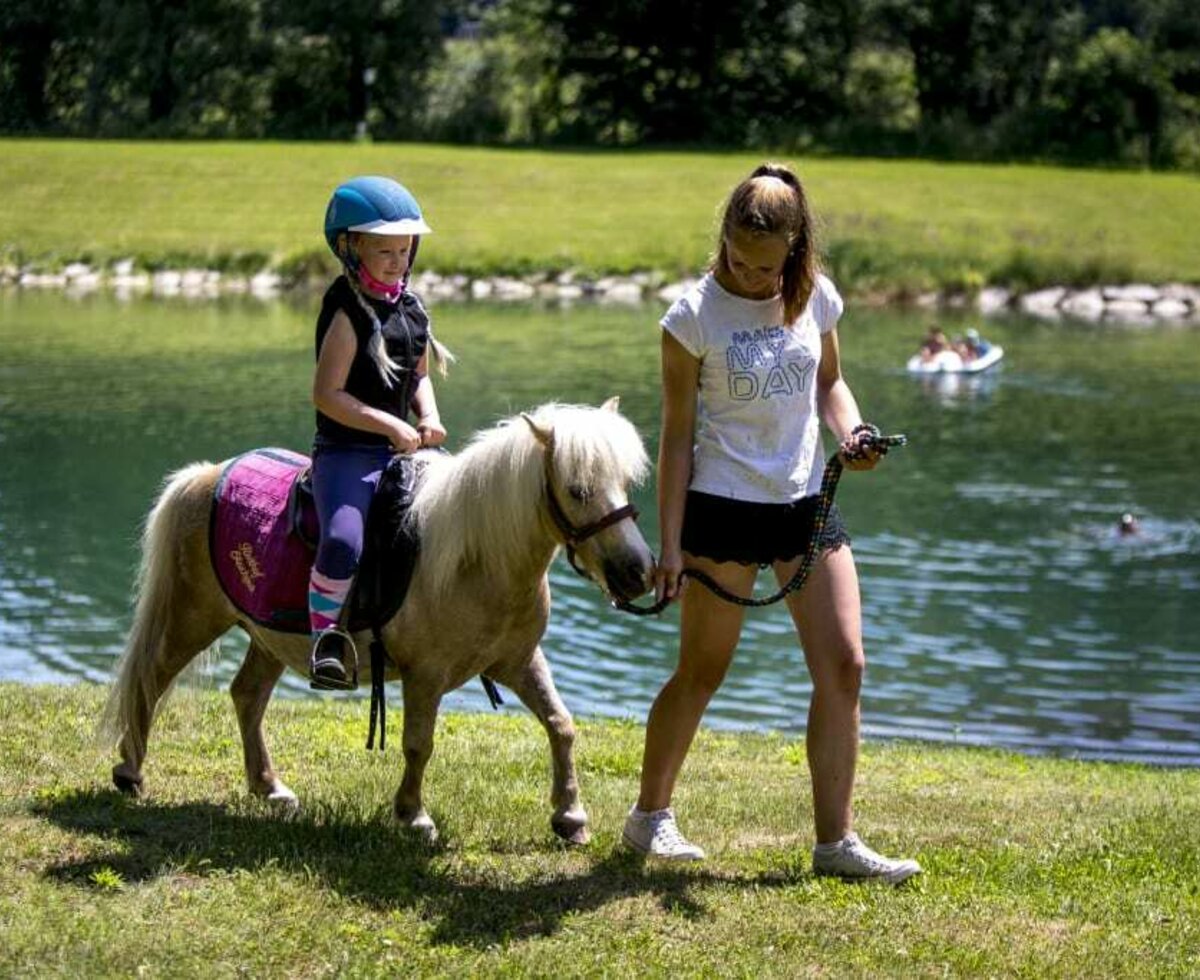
(574, 535)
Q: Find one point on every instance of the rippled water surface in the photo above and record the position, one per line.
(1001, 607)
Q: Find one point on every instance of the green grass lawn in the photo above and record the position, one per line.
(886, 224)
(1034, 867)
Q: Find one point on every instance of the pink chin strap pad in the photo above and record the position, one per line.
(389, 292)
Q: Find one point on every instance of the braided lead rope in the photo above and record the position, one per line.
(864, 437)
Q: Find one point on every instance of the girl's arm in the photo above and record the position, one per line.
(331, 398)
(424, 403)
(680, 383)
(835, 400)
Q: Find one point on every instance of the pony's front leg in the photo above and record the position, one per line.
(535, 687)
(421, 699)
(251, 690)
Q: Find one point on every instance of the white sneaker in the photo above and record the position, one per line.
(655, 833)
(850, 858)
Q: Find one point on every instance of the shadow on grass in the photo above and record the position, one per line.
(365, 858)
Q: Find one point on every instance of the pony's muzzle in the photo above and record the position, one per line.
(628, 576)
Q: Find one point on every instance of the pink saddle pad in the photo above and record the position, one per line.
(261, 562)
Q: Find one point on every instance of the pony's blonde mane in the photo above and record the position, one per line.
(478, 507)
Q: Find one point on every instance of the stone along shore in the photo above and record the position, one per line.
(1129, 303)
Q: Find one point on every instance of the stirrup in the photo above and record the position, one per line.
(327, 662)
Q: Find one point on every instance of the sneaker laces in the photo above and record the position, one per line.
(664, 830)
(871, 858)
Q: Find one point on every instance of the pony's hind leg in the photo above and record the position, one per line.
(422, 695)
(251, 690)
(535, 687)
(186, 637)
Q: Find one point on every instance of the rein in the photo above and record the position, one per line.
(868, 437)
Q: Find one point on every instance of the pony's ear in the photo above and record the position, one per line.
(543, 434)
(612, 405)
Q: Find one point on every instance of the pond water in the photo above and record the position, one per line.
(1001, 607)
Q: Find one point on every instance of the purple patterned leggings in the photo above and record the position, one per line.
(344, 481)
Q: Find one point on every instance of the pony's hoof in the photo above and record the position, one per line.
(421, 827)
(129, 784)
(284, 800)
(572, 827)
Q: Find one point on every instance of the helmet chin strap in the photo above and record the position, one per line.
(389, 291)
(412, 257)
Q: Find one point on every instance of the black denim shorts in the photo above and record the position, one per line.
(724, 529)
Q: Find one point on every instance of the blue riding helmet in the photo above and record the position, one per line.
(375, 205)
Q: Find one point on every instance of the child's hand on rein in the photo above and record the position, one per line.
(433, 433)
(404, 438)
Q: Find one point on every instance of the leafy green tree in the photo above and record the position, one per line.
(526, 38)
(29, 30)
(1112, 100)
(165, 67)
(979, 59)
(1173, 32)
(641, 70)
(323, 50)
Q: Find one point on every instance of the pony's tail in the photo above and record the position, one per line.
(134, 693)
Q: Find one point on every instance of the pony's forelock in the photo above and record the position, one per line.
(594, 445)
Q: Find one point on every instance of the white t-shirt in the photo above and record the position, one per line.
(758, 436)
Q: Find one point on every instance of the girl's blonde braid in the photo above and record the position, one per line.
(389, 370)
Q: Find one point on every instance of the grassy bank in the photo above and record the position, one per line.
(1034, 867)
(887, 224)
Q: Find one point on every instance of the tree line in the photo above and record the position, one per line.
(1091, 80)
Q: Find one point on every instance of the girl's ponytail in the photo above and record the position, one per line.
(758, 207)
(442, 356)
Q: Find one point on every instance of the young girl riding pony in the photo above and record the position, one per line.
(373, 342)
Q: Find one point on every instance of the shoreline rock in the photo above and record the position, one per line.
(1126, 303)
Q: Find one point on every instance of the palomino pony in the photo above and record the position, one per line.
(490, 521)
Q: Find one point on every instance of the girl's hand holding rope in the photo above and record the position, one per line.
(863, 448)
(668, 577)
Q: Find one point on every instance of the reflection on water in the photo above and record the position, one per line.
(949, 389)
(1002, 607)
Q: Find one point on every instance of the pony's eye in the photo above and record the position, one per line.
(579, 492)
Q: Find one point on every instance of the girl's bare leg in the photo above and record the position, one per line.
(709, 632)
(827, 613)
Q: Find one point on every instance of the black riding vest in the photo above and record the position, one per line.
(405, 335)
